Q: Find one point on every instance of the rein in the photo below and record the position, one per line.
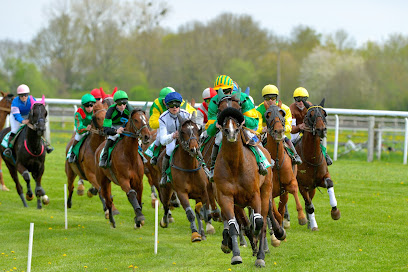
(5, 109)
(137, 132)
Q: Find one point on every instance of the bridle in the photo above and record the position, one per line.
(98, 130)
(271, 121)
(185, 144)
(137, 132)
(35, 126)
(310, 122)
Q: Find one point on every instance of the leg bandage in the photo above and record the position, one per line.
(333, 201)
(233, 227)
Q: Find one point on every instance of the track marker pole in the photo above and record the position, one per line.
(156, 224)
(30, 247)
(66, 208)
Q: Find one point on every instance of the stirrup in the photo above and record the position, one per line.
(72, 158)
(329, 161)
(211, 175)
(103, 163)
(262, 170)
(8, 152)
(49, 149)
(297, 159)
(163, 181)
(153, 160)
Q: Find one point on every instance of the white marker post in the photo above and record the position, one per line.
(30, 247)
(156, 223)
(66, 208)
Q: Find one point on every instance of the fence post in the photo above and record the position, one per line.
(75, 110)
(47, 126)
(379, 143)
(406, 141)
(336, 138)
(370, 141)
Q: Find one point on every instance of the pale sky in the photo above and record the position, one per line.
(363, 20)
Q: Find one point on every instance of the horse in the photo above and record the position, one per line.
(84, 166)
(284, 179)
(5, 106)
(126, 168)
(238, 182)
(189, 180)
(28, 154)
(313, 172)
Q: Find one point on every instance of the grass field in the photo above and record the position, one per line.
(372, 234)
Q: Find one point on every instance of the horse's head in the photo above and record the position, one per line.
(108, 101)
(37, 117)
(275, 121)
(98, 116)
(7, 98)
(226, 101)
(315, 119)
(138, 124)
(188, 134)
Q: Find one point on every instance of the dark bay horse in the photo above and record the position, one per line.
(313, 171)
(126, 168)
(84, 167)
(5, 106)
(284, 179)
(238, 182)
(29, 154)
(189, 180)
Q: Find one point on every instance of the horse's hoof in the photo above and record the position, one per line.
(302, 221)
(274, 241)
(315, 229)
(171, 220)
(107, 214)
(89, 194)
(203, 237)
(260, 263)
(113, 225)
(163, 224)
(236, 260)
(286, 223)
(195, 237)
(225, 249)
(45, 200)
(210, 229)
(29, 198)
(4, 188)
(335, 214)
(80, 190)
(115, 211)
(198, 207)
(153, 203)
(138, 226)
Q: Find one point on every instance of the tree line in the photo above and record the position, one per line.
(89, 44)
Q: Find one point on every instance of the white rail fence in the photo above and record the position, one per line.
(371, 114)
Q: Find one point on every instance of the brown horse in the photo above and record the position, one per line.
(5, 106)
(313, 171)
(284, 180)
(189, 180)
(84, 166)
(238, 182)
(126, 168)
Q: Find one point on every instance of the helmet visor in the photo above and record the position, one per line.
(300, 98)
(268, 97)
(121, 102)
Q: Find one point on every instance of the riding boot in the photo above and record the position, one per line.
(104, 159)
(295, 158)
(72, 157)
(329, 161)
(261, 166)
(202, 162)
(8, 152)
(214, 154)
(165, 165)
(153, 160)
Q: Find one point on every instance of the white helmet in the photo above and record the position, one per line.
(23, 89)
(209, 93)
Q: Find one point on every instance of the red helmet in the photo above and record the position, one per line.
(96, 93)
(209, 93)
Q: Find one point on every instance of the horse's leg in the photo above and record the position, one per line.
(106, 193)
(70, 178)
(26, 176)
(165, 194)
(308, 196)
(283, 200)
(335, 212)
(184, 201)
(233, 228)
(153, 195)
(293, 189)
(277, 233)
(14, 176)
(39, 191)
(199, 220)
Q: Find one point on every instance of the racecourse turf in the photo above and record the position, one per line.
(372, 234)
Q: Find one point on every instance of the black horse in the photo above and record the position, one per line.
(29, 154)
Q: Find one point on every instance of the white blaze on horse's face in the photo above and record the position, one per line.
(231, 132)
(143, 119)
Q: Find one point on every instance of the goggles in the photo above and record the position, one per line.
(173, 104)
(23, 95)
(300, 98)
(268, 97)
(207, 100)
(89, 104)
(121, 102)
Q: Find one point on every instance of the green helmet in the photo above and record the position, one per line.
(87, 98)
(120, 95)
(165, 91)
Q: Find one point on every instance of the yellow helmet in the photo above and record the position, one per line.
(270, 89)
(300, 92)
(224, 82)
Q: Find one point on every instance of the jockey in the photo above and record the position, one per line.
(299, 111)
(156, 110)
(115, 121)
(202, 111)
(168, 128)
(83, 119)
(248, 110)
(97, 94)
(20, 109)
(270, 95)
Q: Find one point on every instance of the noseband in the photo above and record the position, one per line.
(271, 121)
(41, 114)
(185, 144)
(137, 132)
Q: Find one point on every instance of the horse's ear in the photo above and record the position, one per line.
(237, 95)
(322, 103)
(32, 101)
(145, 107)
(193, 117)
(192, 103)
(307, 105)
(247, 91)
(3, 94)
(221, 95)
(43, 100)
(280, 103)
(180, 118)
(184, 106)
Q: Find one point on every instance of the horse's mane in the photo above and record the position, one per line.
(230, 112)
(98, 106)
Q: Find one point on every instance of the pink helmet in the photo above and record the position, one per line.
(22, 89)
(209, 93)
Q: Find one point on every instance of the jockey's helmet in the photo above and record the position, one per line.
(96, 93)
(209, 93)
(165, 91)
(300, 92)
(223, 82)
(120, 95)
(23, 89)
(236, 87)
(270, 89)
(87, 98)
(173, 96)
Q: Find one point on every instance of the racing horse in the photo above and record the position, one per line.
(126, 166)
(5, 106)
(313, 172)
(28, 154)
(284, 179)
(189, 180)
(238, 182)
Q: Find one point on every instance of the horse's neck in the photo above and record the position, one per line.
(276, 149)
(130, 146)
(233, 152)
(33, 139)
(95, 140)
(311, 147)
(3, 116)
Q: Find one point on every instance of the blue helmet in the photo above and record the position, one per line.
(174, 96)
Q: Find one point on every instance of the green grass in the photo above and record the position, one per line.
(370, 236)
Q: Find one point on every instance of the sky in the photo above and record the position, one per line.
(363, 20)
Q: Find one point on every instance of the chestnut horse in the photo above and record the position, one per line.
(238, 182)
(284, 179)
(84, 166)
(126, 167)
(29, 154)
(313, 171)
(189, 180)
(5, 106)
